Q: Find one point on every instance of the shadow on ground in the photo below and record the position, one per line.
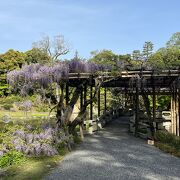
(114, 154)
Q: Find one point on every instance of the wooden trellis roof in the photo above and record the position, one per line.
(161, 80)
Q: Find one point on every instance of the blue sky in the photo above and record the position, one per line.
(119, 25)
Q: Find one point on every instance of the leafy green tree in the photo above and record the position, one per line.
(166, 58)
(104, 57)
(136, 55)
(156, 61)
(174, 40)
(147, 50)
(12, 59)
(9, 61)
(35, 55)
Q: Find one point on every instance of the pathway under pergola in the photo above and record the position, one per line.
(133, 84)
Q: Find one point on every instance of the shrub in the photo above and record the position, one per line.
(77, 139)
(164, 137)
(7, 106)
(10, 158)
(168, 138)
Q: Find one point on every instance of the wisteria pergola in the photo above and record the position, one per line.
(134, 84)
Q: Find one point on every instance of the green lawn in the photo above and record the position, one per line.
(34, 168)
(22, 114)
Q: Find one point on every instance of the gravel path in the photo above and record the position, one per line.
(114, 154)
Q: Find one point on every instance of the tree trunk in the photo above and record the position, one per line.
(82, 114)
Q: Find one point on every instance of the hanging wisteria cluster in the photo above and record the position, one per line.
(36, 75)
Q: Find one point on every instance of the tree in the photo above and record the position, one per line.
(8, 61)
(35, 55)
(165, 58)
(40, 78)
(12, 59)
(174, 40)
(156, 61)
(54, 48)
(136, 55)
(104, 57)
(147, 50)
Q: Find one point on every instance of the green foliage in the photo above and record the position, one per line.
(62, 148)
(33, 168)
(167, 138)
(168, 149)
(163, 102)
(7, 106)
(109, 59)
(147, 49)
(77, 139)
(166, 58)
(174, 40)
(136, 55)
(12, 59)
(104, 57)
(9, 61)
(11, 158)
(35, 55)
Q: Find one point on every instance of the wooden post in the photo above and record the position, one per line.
(99, 102)
(81, 131)
(174, 101)
(178, 109)
(154, 106)
(81, 124)
(67, 94)
(172, 115)
(85, 92)
(177, 112)
(137, 109)
(105, 99)
(81, 99)
(173, 111)
(91, 104)
(85, 98)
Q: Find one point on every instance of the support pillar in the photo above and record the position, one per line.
(99, 102)
(137, 110)
(81, 99)
(105, 99)
(85, 93)
(81, 124)
(154, 107)
(91, 104)
(67, 94)
(173, 111)
(178, 119)
(177, 113)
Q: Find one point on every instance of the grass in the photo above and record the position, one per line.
(19, 114)
(168, 142)
(34, 168)
(168, 149)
